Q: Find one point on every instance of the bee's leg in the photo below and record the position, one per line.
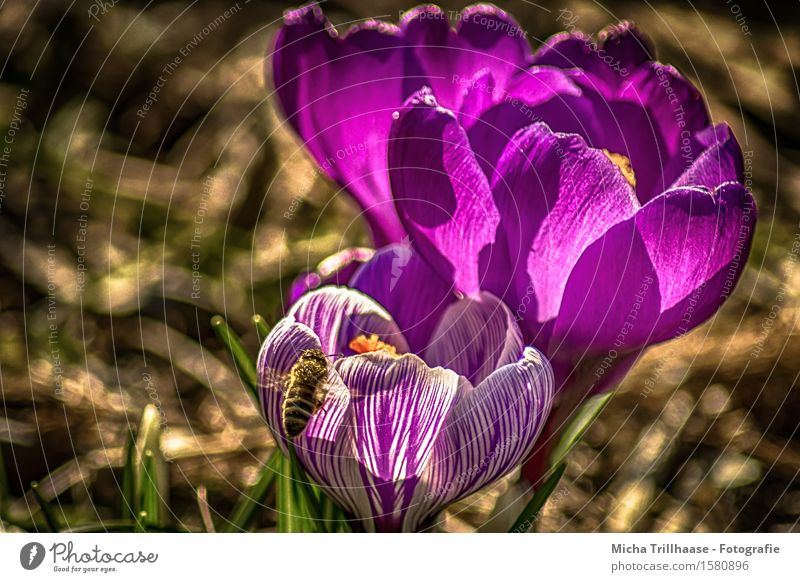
(320, 394)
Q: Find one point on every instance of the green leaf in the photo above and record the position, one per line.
(247, 504)
(318, 511)
(141, 518)
(528, 516)
(289, 510)
(298, 500)
(580, 421)
(150, 491)
(47, 510)
(262, 329)
(150, 496)
(244, 364)
(128, 504)
(308, 494)
(334, 519)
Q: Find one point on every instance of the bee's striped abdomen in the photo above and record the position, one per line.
(301, 399)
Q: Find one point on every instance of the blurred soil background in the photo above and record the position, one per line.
(148, 184)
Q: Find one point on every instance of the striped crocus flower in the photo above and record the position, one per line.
(403, 433)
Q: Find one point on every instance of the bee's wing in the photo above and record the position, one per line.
(272, 384)
(274, 380)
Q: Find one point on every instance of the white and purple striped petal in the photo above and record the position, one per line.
(475, 336)
(492, 428)
(399, 406)
(338, 315)
(337, 269)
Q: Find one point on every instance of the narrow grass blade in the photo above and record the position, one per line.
(320, 512)
(248, 504)
(128, 504)
(150, 497)
(243, 362)
(528, 516)
(289, 519)
(47, 511)
(262, 329)
(120, 525)
(150, 468)
(141, 519)
(580, 421)
(205, 509)
(333, 518)
(308, 495)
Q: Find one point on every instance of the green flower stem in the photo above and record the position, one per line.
(245, 366)
(529, 515)
(247, 504)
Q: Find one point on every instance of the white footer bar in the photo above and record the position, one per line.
(414, 558)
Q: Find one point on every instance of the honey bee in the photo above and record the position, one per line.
(305, 391)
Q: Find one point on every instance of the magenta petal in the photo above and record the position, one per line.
(539, 94)
(475, 337)
(700, 257)
(441, 194)
(656, 275)
(556, 196)
(666, 110)
(720, 162)
(618, 51)
(625, 44)
(676, 106)
(479, 94)
(397, 273)
(338, 93)
(338, 315)
(485, 38)
(566, 50)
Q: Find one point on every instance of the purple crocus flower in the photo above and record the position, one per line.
(403, 433)
(584, 184)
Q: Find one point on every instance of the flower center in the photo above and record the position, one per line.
(624, 165)
(363, 344)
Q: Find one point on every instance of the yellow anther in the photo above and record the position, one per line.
(624, 165)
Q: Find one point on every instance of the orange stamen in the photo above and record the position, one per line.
(363, 344)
